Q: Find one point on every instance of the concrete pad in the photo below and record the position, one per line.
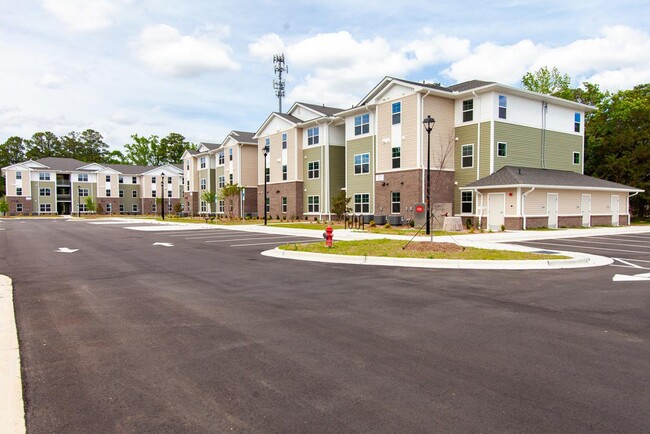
(12, 413)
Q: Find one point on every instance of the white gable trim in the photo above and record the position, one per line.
(262, 130)
(169, 169)
(94, 167)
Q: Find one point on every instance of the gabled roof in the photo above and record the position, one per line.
(514, 176)
(294, 121)
(322, 109)
(243, 137)
(469, 85)
(63, 164)
(209, 146)
(169, 167)
(29, 164)
(129, 169)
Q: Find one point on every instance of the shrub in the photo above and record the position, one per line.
(412, 223)
(503, 228)
(468, 224)
(372, 224)
(387, 226)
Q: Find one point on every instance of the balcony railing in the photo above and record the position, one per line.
(62, 197)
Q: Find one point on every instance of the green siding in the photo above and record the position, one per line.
(312, 187)
(337, 169)
(128, 200)
(469, 135)
(524, 148)
(360, 183)
(37, 199)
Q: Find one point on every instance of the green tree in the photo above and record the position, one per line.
(230, 192)
(11, 152)
(4, 207)
(93, 148)
(548, 82)
(172, 148)
(211, 198)
(90, 204)
(115, 157)
(42, 145)
(144, 151)
(340, 204)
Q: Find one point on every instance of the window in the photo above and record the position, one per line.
(313, 170)
(188, 186)
(362, 124)
(153, 193)
(82, 177)
(169, 193)
(284, 172)
(397, 154)
(204, 206)
(312, 136)
(502, 149)
(121, 180)
(169, 180)
(153, 208)
(134, 207)
(46, 207)
(284, 140)
(361, 164)
(576, 122)
(169, 207)
(187, 165)
(284, 204)
(153, 179)
(83, 192)
(45, 192)
(468, 110)
(467, 159)
(397, 113)
(44, 176)
(19, 207)
(503, 106)
(19, 175)
(313, 203)
(134, 193)
(267, 175)
(108, 178)
(230, 154)
(222, 206)
(268, 142)
(268, 204)
(395, 202)
(121, 208)
(466, 202)
(362, 202)
(109, 207)
(83, 207)
(134, 180)
(108, 192)
(222, 181)
(202, 162)
(203, 183)
(121, 194)
(576, 158)
(230, 178)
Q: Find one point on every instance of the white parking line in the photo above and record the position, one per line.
(250, 238)
(588, 247)
(277, 242)
(607, 243)
(646, 241)
(628, 263)
(646, 238)
(228, 235)
(206, 231)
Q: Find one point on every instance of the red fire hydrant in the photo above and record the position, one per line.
(328, 235)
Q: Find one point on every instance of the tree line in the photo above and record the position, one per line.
(89, 146)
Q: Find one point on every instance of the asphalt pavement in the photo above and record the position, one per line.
(140, 331)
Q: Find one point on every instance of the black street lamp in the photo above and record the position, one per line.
(162, 195)
(266, 152)
(79, 202)
(429, 122)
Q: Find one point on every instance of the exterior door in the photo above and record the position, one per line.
(552, 209)
(615, 209)
(496, 210)
(585, 208)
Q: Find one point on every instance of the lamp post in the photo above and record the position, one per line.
(429, 122)
(162, 195)
(266, 152)
(79, 202)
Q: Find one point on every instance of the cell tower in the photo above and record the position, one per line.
(278, 85)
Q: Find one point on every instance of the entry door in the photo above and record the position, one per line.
(586, 210)
(496, 210)
(615, 210)
(552, 207)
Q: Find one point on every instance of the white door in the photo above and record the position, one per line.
(552, 208)
(615, 210)
(585, 208)
(496, 210)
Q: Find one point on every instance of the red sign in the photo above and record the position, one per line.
(419, 208)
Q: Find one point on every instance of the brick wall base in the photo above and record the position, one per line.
(601, 220)
(569, 222)
(293, 191)
(13, 201)
(191, 203)
(104, 201)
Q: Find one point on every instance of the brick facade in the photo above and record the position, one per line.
(601, 220)
(569, 222)
(114, 201)
(293, 191)
(12, 201)
(191, 203)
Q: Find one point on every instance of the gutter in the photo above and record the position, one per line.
(523, 205)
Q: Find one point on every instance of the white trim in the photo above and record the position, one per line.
(556, 187)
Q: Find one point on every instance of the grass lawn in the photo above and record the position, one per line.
(393, 248)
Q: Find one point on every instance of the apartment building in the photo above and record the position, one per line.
(52, 186)
(200, 174)
(238, 159)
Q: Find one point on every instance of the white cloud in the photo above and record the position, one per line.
(165, 50)
(123, 118)
(266, 46)
(84, 15)
(50, 81)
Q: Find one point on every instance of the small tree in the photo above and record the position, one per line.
(90, 204)
(340, 204)
(230, 191)
(178, 207)
(99, 208)
(211, 198)
(4, 207)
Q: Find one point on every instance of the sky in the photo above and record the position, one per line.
(202, 68)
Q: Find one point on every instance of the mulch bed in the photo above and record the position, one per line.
(427, 246)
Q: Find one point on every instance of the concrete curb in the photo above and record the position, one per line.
(12, 410)
(576, 261)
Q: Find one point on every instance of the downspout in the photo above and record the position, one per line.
(480, 214)
(241, 182)
(478, 138)
(629, 215)
(523, 206)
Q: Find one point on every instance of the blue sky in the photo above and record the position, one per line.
(203, 68)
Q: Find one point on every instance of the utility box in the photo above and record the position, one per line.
(419, 214)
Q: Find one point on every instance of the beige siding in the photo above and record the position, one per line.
(569, 202)
(443, 134)
(409, 129)
(11, 181)
(248, 175)
(276, 154)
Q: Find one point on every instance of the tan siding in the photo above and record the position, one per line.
(443, 134)
(409, 135)
(11, 182)
(248, 174)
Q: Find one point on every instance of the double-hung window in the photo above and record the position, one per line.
(268, 204)
(466, 200)
(229, 154)
(19, 191)
(121, 208)
(134, 207)
(576, 158)
(397, 113)
(121, 180)
(108, 178)
(19, 175)
(502, 149)
(44, 176)
(577, 122)
(395, 202)
(230, 179)
(222, 181)
(19, 207)
(503, 106)
(169, 193)
(361, 164)
(284, 172)
(134, 193)
(45, 192)
(134, 180)
(267, 174)
(203, 183)
(202, 163)
(153, 179)
(46, 207)
(312, 136)
(221, 159)
(153, 193)
(121, 193)
(313, 203)
(362, 202)
(284, 204)
(468, 110)
(362, 124)
(284, 140)
(169, 180)
(467, 157)
(397, 157)
(82, 177)
(313, 170)
(83, 192)
(108, 192)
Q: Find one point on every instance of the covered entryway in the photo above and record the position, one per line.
(496, 210)
(585, 209)
(616, 210)
(552, 209)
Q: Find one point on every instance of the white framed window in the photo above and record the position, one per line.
(109, 207)
(19, 207)
(397, 157)
(362, 124)
(312, 136)
(284, 204)
(503, 107)
(267, 175)
(153, 208)
(188, 186)
(45, 192)
(577, 122)
(121, 193)
(204, 206)
(313, 203)
(229, 154)
(121, 208)
(222, 206)
(284, 140)
(134, 193)
(268, 204)
(169, 193)
(396, 113)
(576, 158)
(19, 191)
(267, 142)
(82, 177)
(467, 156)
(230, 179)
(222, 181)
(134, 207)
(222, 159)
(83, 207)
(361, 164)
(169, 180)
(153, 179)
(466, 201)
(203, 183)
(202, 162)
(395, 202)
(46, 207)
(42, 176)
(362, 203)
(108, 192)
(19, 175)
(313, 170)
(502, 149)
(284, 172)
(468, 110)
(121, 180)
(83, 192)
(108, 178)
(153, 193)
(134, 180)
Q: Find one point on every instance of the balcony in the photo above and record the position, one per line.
(63, 198)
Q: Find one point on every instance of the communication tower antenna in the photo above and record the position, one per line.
(278, 85)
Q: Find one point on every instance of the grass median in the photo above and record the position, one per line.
(426, 250)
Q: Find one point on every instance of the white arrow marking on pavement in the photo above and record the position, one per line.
(628, 278)
(164, 244)
(65, 250)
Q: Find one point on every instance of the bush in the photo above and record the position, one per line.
(412, 223)
(372, 224)
(468, 224)
(503, 228)
(100, 208)
(284, 217)
(315, 219)
(387, 226)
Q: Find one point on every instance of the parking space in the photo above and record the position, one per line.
(627, 250)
